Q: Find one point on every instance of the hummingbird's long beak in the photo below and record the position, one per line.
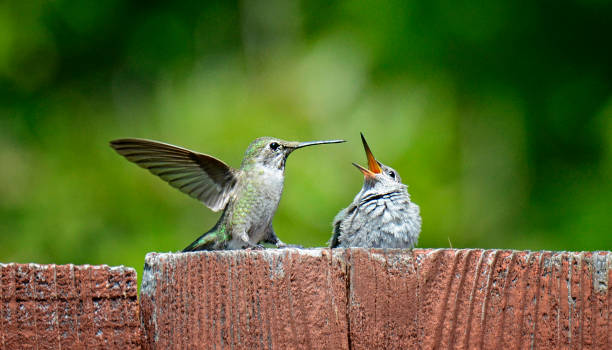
(372, 163)
(367, 173)
(312, 143)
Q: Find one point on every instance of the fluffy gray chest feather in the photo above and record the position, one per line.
(386, 220)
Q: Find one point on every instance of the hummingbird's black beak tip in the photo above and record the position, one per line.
(373, 164)
(363, 141)
(313, 143)
(333, 141)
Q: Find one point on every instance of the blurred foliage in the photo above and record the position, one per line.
(497, 114)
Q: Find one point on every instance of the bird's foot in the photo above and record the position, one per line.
(255, 247)
(281, 245)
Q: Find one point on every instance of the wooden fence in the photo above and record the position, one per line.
(315, 299)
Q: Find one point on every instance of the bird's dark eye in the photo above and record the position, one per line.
(274, 146)
(392, 174)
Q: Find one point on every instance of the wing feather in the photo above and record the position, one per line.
(201, 176)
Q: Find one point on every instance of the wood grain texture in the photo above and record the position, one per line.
(272, 299)
(377, 299)
(68, 307)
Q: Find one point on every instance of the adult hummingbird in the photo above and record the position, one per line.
(248, 196)
(381, 215)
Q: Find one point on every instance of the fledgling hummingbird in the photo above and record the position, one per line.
(381, 215)
(248, 196)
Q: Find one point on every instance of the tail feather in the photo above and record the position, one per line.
(214, 239)
(333, 242)
(204, 242)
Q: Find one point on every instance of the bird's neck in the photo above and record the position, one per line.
(260, 170)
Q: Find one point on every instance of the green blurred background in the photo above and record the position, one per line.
(497, 114)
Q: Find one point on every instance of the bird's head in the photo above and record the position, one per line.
(272, 152)
(377, 174)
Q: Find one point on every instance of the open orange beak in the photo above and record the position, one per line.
(367, 173)
(373, 167)
(372, 163)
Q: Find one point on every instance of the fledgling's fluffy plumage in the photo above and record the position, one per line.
(381, 215)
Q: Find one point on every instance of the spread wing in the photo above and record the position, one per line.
(199, 175)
